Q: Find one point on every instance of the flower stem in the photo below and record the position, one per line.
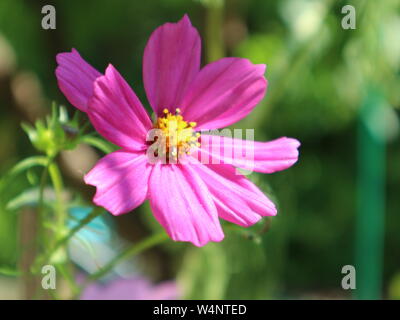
(61, 214)
(40, 208)
(40, 232)
(56, 179)
(61, 242)
(65, 270)
(99, 143)
(23, 166)
(213, 36)
(95, 213)
(147, 243)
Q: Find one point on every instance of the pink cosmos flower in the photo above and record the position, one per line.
(187, 199)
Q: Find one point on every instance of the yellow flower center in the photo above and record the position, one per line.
(179, 135)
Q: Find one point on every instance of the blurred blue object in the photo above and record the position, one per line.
(96, 243)
(97, 230)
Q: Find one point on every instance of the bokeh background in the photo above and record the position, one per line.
(335, 90)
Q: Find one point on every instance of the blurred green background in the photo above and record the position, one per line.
(335, 90)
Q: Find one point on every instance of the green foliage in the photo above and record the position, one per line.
(54, 134)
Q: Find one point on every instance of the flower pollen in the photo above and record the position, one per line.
(179, 135)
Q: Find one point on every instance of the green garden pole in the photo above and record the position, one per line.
(371, 197)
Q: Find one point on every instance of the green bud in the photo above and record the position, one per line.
(55, 133)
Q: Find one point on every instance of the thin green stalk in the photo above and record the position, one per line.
(213, 32)
(61, 242)
(40, 237)
(64, 270)
(58, 185)
(23, 166)
(55, 175)
(61, 216)
(40, 208)
(147, 243)
(95, 213)
(98, 143)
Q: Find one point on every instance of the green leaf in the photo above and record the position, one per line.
(99, 143)
(26, 198)
(7, 271)
(22, 166)
(30, 131)
(32, 177)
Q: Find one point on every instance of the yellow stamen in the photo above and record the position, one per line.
(179, 135)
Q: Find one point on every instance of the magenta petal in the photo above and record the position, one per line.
(171, 61)
(266, 157)
(182, 204)
(75, 78)
(121, 179)
(116, 112)
(224, 92)
(237, 199)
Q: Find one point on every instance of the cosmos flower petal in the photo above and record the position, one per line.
(171, 61)
(75, 78)
(266, 157)
(182, 204)
(237, 199)
(224, 92)
(121, 179)
(116, 112)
